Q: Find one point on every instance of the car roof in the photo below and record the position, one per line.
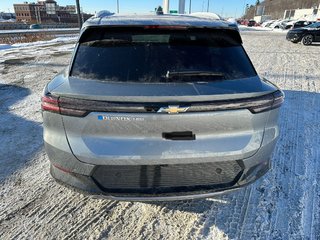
(158, 20)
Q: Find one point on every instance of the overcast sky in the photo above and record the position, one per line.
(226, 8)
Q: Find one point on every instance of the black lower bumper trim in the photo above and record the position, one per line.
(180, 190)
(166, 179)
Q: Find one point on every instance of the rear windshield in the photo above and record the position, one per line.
(161, 55)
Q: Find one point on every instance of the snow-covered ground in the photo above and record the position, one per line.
(7, 20)
(285, 204)
(244, 28)
(17, 31)
(58, 40)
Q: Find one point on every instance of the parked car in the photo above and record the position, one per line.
(35, 26)
(244, 22)
(274, 24)
(252, 23)
(267, 23)
(300, 24)
(285, 24)
(306, 35)
(288, 25)
(279, 24)
(233, 23)
(159, 108)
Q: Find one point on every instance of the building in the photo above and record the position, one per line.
(310, 14)
(46, 12)
(259, 15)
(262, 18)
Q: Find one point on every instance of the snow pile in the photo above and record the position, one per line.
(51, 30)
(244, 28)
(206, 15)
(256, 29)
(104, 13)
(39, 43)
(7, 20)
(5, 46)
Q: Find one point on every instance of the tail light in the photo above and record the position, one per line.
(81, 107)
(53, 104)
(50, 103)
(255, 105)
(269, 102)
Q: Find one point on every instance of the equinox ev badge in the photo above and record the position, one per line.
(173, 109)
(120, 118)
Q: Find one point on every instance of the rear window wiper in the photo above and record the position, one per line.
(177, 74)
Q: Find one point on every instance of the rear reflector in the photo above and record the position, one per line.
(61, 168)
(81, 107)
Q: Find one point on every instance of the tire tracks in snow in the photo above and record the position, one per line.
(285, 204)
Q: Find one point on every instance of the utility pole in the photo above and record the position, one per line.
(39, 14)
(244, 8)
(208, 6)
(118, 8)
(182, 5)
(36, 13)
(190, 4)
(166, 6)
(79, 14)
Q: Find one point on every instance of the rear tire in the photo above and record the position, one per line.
(307, 40)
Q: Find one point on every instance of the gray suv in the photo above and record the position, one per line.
(159, 108)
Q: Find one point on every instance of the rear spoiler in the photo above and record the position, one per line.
(96, 32)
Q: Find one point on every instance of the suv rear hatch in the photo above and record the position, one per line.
(160, 95)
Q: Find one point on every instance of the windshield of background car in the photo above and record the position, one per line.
(314, 25)
(149, 54)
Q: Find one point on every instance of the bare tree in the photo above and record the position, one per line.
(276, 8)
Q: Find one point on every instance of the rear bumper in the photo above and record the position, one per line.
(80, 177)
(87, 186)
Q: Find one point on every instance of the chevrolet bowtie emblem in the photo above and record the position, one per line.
(173, 109)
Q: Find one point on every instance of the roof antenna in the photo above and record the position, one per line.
(159, 11)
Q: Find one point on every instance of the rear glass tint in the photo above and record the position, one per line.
(149, 55)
